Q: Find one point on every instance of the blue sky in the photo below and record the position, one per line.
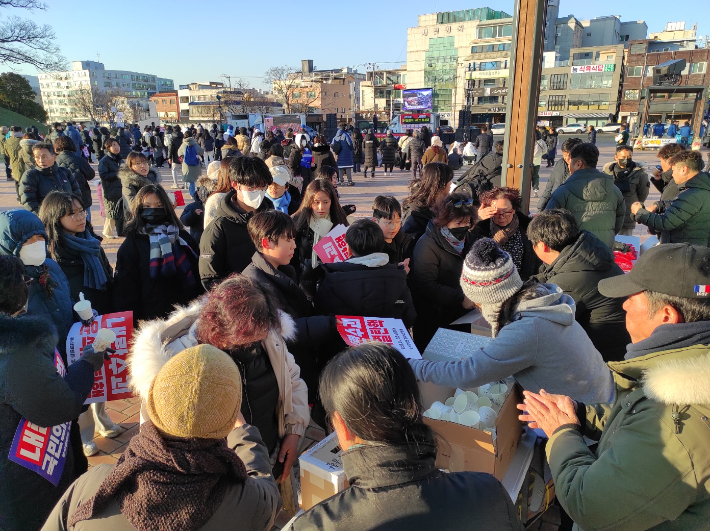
(193, 40)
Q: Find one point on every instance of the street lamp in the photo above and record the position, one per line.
(219, 108)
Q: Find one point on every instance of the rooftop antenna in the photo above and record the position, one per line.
(98, 57)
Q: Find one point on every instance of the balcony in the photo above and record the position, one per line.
(559, 64)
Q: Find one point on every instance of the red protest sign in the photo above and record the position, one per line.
(332, 248)
(356, 330)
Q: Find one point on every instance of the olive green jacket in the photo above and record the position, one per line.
(651, 469)
(12, 151)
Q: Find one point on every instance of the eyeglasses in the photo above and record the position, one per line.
(504, 212)
(78, 216)
(463, 202)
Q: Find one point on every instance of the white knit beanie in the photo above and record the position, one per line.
(489, 275)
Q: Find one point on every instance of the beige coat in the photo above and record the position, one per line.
(159, 340)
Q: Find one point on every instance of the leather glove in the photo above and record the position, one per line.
(96, 359)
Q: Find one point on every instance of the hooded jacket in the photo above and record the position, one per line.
(634, 187)
(131, 183)
(159, 340)
(415, 149)
(687, 218)
(81, 170)
(36, 184)
(243, 142)
(226, 246)
(559, 174)
(366, 285)
(345, 157)
(253, 503)
(577, 271)
(535, 349)
(108, 172)
(12, 152)
(479, 177)
(31, 388)
(26, 158)
(396, 487)
(596, 204)
(190, 174)
(322, 156)
(369, 149)
(75, 135)
(430, 155)
(650, 469)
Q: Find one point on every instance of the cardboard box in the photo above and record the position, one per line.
(451, 345)
(462, 448)
(322, 474)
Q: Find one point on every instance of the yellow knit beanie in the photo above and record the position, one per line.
(197, 393)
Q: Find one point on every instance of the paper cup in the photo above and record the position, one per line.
(459, 392)
(450, 401)
(472, 397)
(469, 418)
(83, 310)
(450, 416)
(483, 401)
(497, 393)
(487, 416)
(483, 390)
(104, 338)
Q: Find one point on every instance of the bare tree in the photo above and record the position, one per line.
(308, 93)
(285, 80)
(88, 103)
(23, 41)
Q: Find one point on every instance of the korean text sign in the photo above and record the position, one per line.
(111, 382)
(357, 330)
(42, 449)
(332, 248)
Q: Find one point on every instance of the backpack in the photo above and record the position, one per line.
(307, 159)
(152, 141)
(337, 147)
(191, 156)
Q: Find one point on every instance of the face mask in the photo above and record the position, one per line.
(253, 198)
(624, 163)
(154, 216)
(459, 232)
(34, 254)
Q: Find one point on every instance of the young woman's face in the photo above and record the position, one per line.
(152, 201)
(75, 221)
(456, 223)
(321, 205)
(141, 167)
(115, 148)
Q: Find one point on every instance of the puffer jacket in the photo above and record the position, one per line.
(159, 340)
(26, 156)
(483, 144)
(415, 149)
(596, 204)
(323, 156)
(82, 172)
(415, 219)
(650, 469)
(559, 174)
(345, 157)
(634, 186)
(124, 140)
(108, 172)
(36, 184)
(98, 141)
(388, 148)
(687, 218)
(131, 183)
(190, 174)
(243, 143)
(479, 178)
(578, 270)
(12, 152)
(369, 148)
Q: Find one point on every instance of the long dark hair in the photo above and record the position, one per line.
(54, 207)
(374, 390)
(224, 185)
(305, 212)
(425, 191)
(137, 225)
(13, 289)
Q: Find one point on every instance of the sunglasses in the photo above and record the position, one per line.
(27, 280)
(463, 202)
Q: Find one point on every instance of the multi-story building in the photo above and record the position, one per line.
(381, 93)
(59, 88)
(584, 89)
(167, 106)
(213, 102)
(644, 55)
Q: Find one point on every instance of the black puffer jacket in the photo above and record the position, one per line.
(226, 246)
(415, 149)
(124, 140)
(108, 172)
(666, 185)
(36, 184)
(415, 219)
(434, 276)
(401, 248)
(394, 488)
(82, 172)
(323, 156)
(98, 141)
(633, 185)
(369, 148)
(366, 285)
(578, 270)
(479, 177)
(483, 144)
(388, 147)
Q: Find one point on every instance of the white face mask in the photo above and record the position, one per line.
(34, 254)
(253, 198)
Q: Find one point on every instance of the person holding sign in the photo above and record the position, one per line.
(35, 395)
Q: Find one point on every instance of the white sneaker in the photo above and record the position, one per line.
(90, 449)
(114, 431)
(534, 192)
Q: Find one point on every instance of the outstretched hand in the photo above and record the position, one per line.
(547, 412)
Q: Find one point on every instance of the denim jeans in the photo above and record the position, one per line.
(192, 189)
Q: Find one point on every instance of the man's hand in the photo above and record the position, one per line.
(467, 303)
(636, 207)
(652, 208)
(548, 412)
(656, 174)
(287, 454)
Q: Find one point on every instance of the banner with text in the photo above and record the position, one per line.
(111, 382)
(332, 248)
(357, 330)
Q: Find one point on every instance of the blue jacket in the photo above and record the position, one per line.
(672, 130)
(16, 228)
(345, 157)
(75, 136)
(658, 130)
(685, 131)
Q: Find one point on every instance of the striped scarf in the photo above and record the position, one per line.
(167, 258)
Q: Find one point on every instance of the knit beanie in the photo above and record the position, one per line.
(213, 170)
(196, 394)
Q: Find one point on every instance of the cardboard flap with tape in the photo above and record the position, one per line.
(322, 473)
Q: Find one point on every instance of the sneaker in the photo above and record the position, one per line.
(534, 192)
(351, 183)
(90, 449)
(114, 431)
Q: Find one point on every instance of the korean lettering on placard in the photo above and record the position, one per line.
(353, 330)
(117, 371)
(342, 247)
(87, 335)
(378, 331)
(330, 250)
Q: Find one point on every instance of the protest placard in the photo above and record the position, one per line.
(332, 248)
(111, 382)
(42, 450)
(357, 330)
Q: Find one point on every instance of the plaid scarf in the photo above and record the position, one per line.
(167, 258)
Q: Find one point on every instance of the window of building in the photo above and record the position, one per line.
(591, 80)
(125, 76)
(543, 82)
(172, 101)
(296, 95)
(698, 68)
(492, 32)
(637, 48)
(631, 94)
(335, 94)
(588, 102)
(556, 103)
(542, 103)
(107, 84)
(311, 94)
(487, 48)
(589, 34)
(488, 82)
(558, 82)
(487, 100)
(634, 71)
(184, 99)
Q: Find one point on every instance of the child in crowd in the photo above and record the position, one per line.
(366, 284)
(387, 213)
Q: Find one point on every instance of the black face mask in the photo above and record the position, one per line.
(245, 354)
(459, 233)
(154, 216)
(625, 163)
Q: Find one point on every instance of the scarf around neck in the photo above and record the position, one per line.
(161, 482)
(453, 241)
(89, 248)
(167, 258)
(502, 234)
(320, 228)
(281, 203)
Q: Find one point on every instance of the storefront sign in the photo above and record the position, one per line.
(488, 91)
(416, 118)
(548, 113)
(486, 74)
(583, 69)
(357, 330)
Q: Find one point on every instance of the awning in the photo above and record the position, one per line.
(587, 115)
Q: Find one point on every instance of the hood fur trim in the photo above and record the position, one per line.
(151, 350)
(370, 260)
(681, 381)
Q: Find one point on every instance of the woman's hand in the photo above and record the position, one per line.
(487, 212)
(288, 454)
(467, 303)
(240, 421)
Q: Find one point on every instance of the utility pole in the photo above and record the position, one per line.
(229, 80)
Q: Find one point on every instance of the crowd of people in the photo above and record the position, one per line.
(236, 346)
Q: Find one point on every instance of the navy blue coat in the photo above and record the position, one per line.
(345, 157)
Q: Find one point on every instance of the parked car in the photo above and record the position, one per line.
(498, 129)
(611, 127)
(572, 128)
